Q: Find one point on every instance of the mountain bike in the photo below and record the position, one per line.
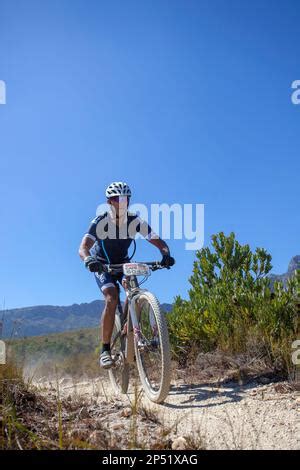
(140, 335)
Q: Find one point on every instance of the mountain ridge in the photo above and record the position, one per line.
(46, 319)
(293, 265)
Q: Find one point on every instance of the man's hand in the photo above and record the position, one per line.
(167, 261)
(93, 265)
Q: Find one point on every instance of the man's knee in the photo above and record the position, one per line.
(111, 296)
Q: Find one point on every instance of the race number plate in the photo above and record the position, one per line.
(136, 269)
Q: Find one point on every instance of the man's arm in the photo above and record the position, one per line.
(85, 246)
(153, 238)
(90, 262)
(160, 244)
(167, 259)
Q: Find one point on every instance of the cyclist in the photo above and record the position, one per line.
(107, 241)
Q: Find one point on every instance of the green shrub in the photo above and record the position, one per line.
(232, 305)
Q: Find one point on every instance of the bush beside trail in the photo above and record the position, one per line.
(234, 309)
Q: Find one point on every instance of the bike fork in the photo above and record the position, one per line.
(133, 331)
(138, 337)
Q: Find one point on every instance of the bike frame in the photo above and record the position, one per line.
(132, 291)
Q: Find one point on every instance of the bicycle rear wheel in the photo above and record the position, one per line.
(153, 349)
(119, 373)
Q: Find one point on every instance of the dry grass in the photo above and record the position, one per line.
(35, 419)
(32, 420)
(220, 367)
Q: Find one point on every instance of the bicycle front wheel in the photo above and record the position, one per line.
(152, 349)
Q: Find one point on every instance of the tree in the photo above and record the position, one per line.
(231, 303)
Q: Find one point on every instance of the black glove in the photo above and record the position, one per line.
(167, 261)
(93, 265)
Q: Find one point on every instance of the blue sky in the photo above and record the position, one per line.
(187, 101)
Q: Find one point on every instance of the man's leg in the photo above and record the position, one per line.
(107, 324)
(110, 292)
(111, 296)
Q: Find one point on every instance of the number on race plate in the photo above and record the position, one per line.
(136, 269)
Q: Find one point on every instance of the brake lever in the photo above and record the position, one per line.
(105, 269)
(158, 266)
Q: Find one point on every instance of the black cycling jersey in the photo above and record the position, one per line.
(112, 241)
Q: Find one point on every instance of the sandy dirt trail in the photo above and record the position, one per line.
(227, 416)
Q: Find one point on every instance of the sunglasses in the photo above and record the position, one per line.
(118, 198)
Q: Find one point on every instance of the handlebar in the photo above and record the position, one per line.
(153, 265)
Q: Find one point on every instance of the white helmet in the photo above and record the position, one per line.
(118, 189)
